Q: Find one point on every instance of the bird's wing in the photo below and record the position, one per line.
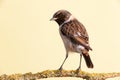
(77, 33)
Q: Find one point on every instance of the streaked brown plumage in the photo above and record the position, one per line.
(71, 28)
(74, 36)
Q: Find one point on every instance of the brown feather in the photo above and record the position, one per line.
(71, 28)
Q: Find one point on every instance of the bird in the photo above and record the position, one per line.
(74, 36)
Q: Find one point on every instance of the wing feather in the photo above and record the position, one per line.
(77, 33)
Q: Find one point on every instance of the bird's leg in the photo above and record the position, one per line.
(78, 69)
(64, 61)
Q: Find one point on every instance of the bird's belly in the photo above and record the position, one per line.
(71, 46)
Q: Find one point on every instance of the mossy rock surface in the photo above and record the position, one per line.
(58, 73)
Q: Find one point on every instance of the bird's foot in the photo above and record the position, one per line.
(78, 70)
(60, 69)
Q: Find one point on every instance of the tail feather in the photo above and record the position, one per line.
(88, 61)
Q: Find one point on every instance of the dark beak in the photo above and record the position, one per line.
(53, 19)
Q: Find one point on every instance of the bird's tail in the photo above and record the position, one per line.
(88, 61)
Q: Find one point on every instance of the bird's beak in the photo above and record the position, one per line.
(53, 19)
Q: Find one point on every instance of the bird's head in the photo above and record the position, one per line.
(61, 16)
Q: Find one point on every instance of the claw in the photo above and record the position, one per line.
(78, 70)
(60, 69)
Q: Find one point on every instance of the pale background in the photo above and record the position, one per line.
(29, 42)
